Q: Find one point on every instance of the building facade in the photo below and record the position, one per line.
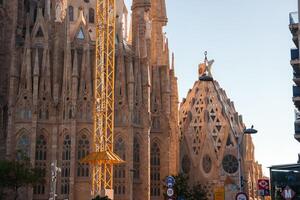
(210, 131)
(295, 62)
(46, 97)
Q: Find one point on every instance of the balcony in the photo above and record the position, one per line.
(296, 78)
(295, 62)
(294, 21)
(296, 96)
(297, 129)
(294, 18)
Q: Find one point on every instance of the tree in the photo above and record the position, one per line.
(182, 189)
(198, 193)
(101, 198)
(17, 174)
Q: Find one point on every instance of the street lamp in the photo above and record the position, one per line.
(246, 131)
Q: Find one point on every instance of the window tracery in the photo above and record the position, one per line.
(91, 15)
(65, 168)
(23, 147)
(136, 158)
(41, 162)
(71, 13)
(83, 148)
(155, 189)
(120, 170)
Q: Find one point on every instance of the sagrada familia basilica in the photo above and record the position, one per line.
(47, 62)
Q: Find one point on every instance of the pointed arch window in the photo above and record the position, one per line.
(71, 13)
(65, 168)
(155, 190)
(136, 158)
(120, 170)
(91, 15)
(80, 34)
(40, 162)
(23, 147)
(83, 149)
(39, 33)
(24, 111)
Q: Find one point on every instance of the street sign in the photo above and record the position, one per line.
(219, 193)
(263, 187)
(170, 181)
(241, 196)
(170, 192)
(288, 193)
(180, 198)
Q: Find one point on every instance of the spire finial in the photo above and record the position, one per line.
(204, 69)
(205, 58)
(173, 61)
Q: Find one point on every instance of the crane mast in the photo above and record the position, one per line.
(102, 175)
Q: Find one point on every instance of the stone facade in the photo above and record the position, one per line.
(46, 97)
(210, 130)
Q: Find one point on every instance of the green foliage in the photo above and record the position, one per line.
(16, 174)
(101, 198)
(198, 193)
(182, 189)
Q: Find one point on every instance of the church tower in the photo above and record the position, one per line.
(47, 101)
(211, 131)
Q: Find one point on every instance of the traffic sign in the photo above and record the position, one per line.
(170, 192)
(170, 181)
(288, 193)
(219, 193)
(241, 196)
(263, 187)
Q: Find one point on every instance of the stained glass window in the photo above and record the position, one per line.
(230, 164)
(155, 170)
(83, 148)
(23, 147)
(91, 15)
(136, 158)
(71, 13)
(41, 162)
(65, 168)
(206, 164)
(120, 170)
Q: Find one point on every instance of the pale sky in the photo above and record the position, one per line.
(250, 42)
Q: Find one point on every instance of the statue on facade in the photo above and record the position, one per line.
(148, 24)
(59, 11)
(204, 69)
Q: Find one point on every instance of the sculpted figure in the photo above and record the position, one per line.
(58, 10)
(205, 68)
(148, 25)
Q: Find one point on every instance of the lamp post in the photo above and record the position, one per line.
(248, 131)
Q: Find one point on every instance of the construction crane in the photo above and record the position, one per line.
(102, 158)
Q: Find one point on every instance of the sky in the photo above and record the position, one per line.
(250, 42)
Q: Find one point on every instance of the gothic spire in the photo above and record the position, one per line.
(45, 82)
(173, 62)
(85, 77)
(25, 78)
(66, 89)
(159, 12)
